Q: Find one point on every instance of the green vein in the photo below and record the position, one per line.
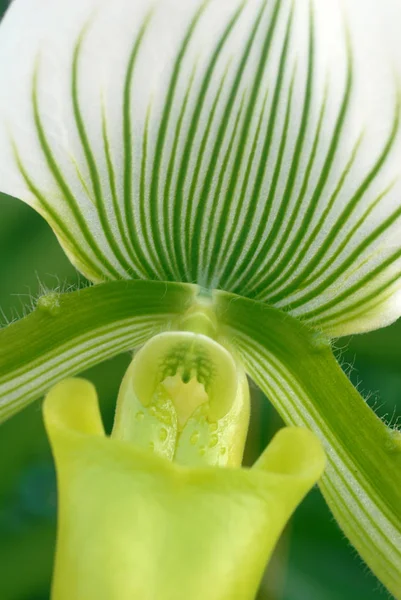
(68, 195)
(232, 262)
(99, 321)
(308, 170)
(138, 253)
(345, 216)
(144, 162)
(168, 202)
(362, 219)
(296, 157)
(231, 230)
(360, 308)
(276, 275)
(90, 160)
(188, 226)
(264, 287)
(211, 253)
(270, 376)
(200, 211)
(180, 216)
(358, 286)
(113, 189)
(58, 222)
(154, 217)
(227, 202)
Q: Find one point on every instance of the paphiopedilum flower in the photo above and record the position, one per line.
(134, 525)
(250, 150)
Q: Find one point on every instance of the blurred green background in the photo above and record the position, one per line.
(313, 560)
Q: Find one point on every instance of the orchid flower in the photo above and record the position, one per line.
(133, 524)
(228, 168)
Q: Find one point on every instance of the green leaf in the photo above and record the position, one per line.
(297, 370)
(68, 333)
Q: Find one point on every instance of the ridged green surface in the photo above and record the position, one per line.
(295, 367)
(67, 333)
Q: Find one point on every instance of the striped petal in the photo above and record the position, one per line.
(68, 333)
(298, 372)
(252, 146)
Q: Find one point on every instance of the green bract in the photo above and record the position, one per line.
(243, 156)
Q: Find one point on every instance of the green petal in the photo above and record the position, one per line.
(133, 525)
(248, 146)
(299, 374)
(68, 333)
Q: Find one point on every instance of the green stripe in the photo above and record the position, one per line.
(246, 216)
(355, 230)
(279, 353)
(342, 220)
(144, 163)
(276, 275)
(343, 513)
(172, 169)
(265, 369)
(70, 363)
(224, 205)
(184, 215)
(287, 193)
(201, 209)
(230, 231)
(86, 344)
(208, 255)
(137, 269)
(137, 253)
(58, 223)
(88, 314)
(265, 290)
(68, 195)
(358, 286)
(156, 232)
(373, 302)
(187, 225)
(90, 160)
